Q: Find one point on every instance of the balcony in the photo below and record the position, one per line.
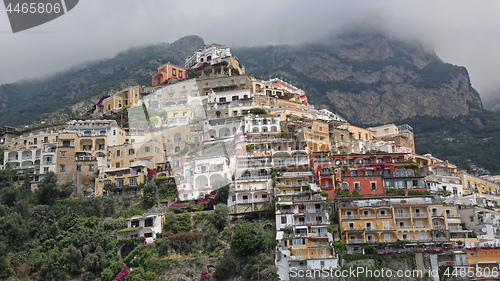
(458, 229)
(353, 229)
(440, 239)
(402, 215)
(439, 227)
(437, 214)
(452, 215)
(384, 215)
(422, 226)
(352, 217)
(318, 245)
(368, 215)
(369, 229)
(356, 241)
(419, 215)
(388, 228)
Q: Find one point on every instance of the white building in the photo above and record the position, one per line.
(209, 54)
(143, 226)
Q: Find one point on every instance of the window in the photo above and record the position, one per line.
(147, 149)
(118, 153)
(66, 143)
(222, 99)
(78, 167)
(131, 151)
(356, 185)
(132, 182)
(135, 223)
(148, 235)
(62, 167)
(345, 186)
(117, 165)
(351, 225)
(63, 154)
(374, 186)
(283, 220)
(174, 72)
(148, 222)
(180, 74)
(91, 167)
(242, 81)
(120, 183)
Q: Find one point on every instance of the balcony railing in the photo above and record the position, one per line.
(440, 239)
(353, 229)
(351, 217)
(371, 229)
(356, 241)
(368, 215)
(402, 215)
(439, 227)
(437, 214)
(452, 215)
(384, 215)
(422, 226)
(419, 215)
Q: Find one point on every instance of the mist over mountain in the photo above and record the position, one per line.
(368, 78)
(69, 94)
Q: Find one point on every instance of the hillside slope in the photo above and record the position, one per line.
(24, 102)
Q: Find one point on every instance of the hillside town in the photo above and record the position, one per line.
(334, 188)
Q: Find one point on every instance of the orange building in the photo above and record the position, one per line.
(167, 71)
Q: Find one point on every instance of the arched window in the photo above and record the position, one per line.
(399, 172)
(264, 129)
(255, 130)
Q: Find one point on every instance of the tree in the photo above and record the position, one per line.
(48, 190)
(150, 194)
(219, 216)
(245, 240)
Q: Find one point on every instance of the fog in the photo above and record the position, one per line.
(465, 33)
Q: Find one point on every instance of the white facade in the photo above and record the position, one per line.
(207, 172)
(23, 159)
(262, 124)
(222, 128)
(208, 54)
(143, 226)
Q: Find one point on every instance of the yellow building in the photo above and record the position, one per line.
(358, 133)
(411, 219)
(483, 259)
(472, 183)
(317, 135)
(123, 99)
(125, 155)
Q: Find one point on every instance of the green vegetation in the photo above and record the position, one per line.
(42, 239)
(470, 141)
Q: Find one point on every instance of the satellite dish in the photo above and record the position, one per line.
(483, 229)
(337, 162)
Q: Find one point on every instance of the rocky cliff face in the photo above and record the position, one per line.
(368, 78)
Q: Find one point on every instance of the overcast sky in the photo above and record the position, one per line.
(464, 33)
